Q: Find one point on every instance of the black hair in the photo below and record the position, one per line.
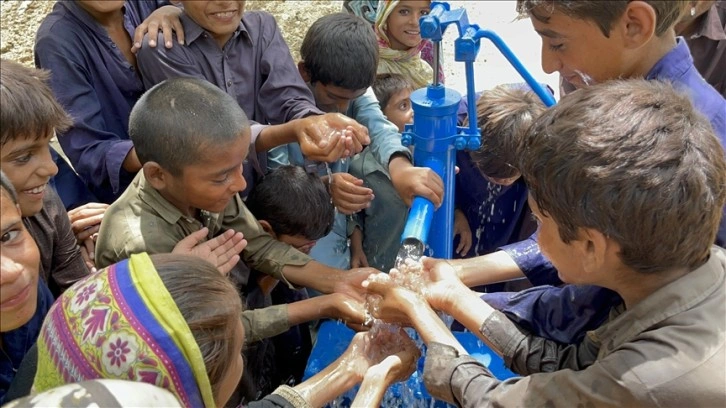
(386, 85)
(341, 49)
(175, 121)
(294, 202)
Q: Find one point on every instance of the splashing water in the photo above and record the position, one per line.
(586, 79)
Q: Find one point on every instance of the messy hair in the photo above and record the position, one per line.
(504, 115)
(210, 305)
(341, 49)
(176, 121)
(634, 160)
(387, 85)
(29, 109)
(603, 12)
(294, 202)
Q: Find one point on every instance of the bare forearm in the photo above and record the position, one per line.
(326, 385)
(313, 275)
(472, 312)
(431, 328)
(276, 135)
(307, 310)
(490, 268)
(373, 387)
(131, 163)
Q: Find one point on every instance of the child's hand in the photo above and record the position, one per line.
(411, 181)
(166, 18)
(344, 307)
(444, 284)
(350, 283)
(358, 257)
(398, 355)
(331, 136)
(86, 220)
(397, 304)
(461, 228)
(348, 194)
(221, 251)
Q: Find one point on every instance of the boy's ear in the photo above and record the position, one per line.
(595, 250)
(155, 175)
(304, 71)
(638, 24)
(268, 228)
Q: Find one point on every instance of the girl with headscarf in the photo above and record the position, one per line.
(174, 322)
(400, 43)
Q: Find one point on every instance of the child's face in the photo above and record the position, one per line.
(399, 110)
(403, 30)
(219, 18)
(29, 166)
(212, 182)
(299, 242)
(580, 52)
(19, 263)
(563, 256)
(332, 98)
(234, 371)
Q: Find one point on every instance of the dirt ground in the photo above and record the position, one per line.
(19, 20)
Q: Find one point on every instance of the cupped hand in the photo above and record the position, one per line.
(391, 303)
(330, 137)
(443, 285)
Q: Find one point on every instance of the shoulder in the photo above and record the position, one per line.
(260, 24)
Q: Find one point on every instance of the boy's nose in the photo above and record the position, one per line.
(239, 183)
(47, 167)
(550, 62)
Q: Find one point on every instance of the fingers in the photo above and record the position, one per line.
(190, 241)
(227, 266)
(86, 211)
(88, 232)
(179, 30)
(141, 29)
(88, 255)
(166, 29)
(348, 193)
(377, 284)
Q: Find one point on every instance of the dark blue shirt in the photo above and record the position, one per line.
(98, 87)
(587, 306)
(16, 343)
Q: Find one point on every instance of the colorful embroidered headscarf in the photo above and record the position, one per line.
(122, 323)
(407, 63)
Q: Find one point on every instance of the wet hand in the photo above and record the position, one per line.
(330, 137)
(348, 194)
(394, 304)
(443, 285)
(350, 282)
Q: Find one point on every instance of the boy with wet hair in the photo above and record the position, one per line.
(339, 59)
(589, 42)
(645, 183)
(192, 185)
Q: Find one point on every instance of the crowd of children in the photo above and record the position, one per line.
(213, 182)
